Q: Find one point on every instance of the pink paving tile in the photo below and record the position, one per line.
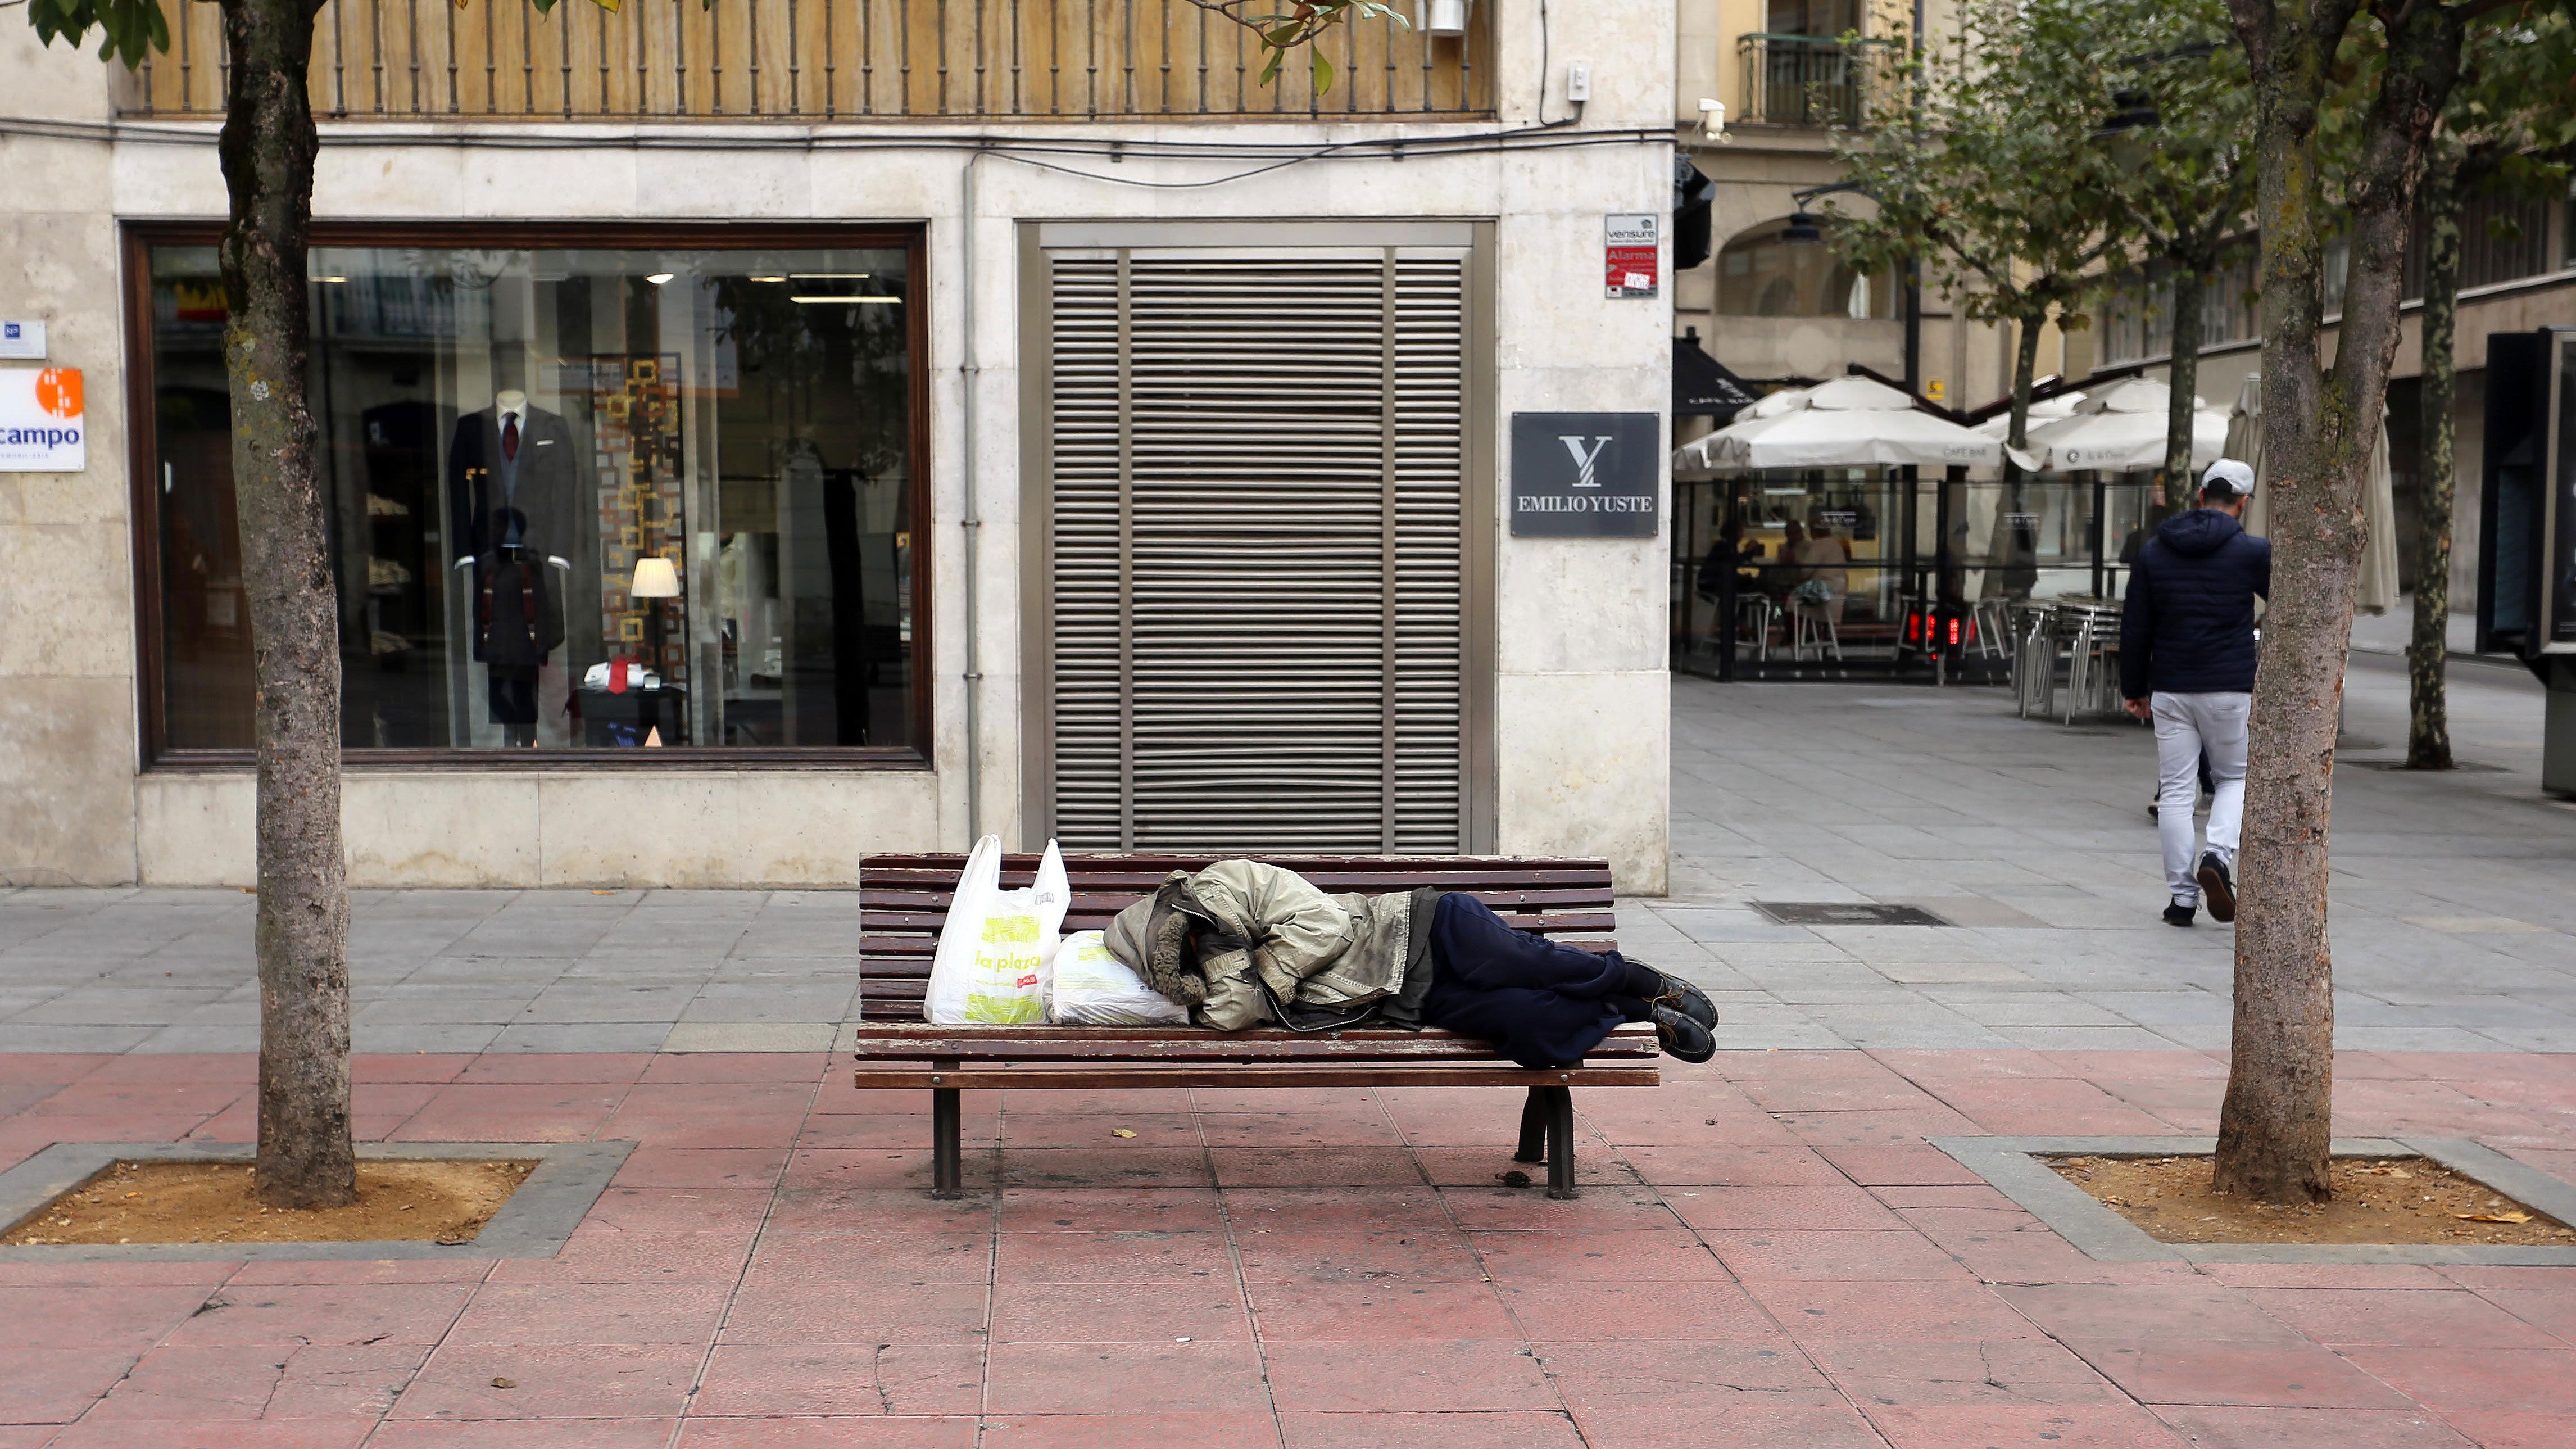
(1813, 1209)
(408, 1067)
(2020, 1426)
(1917, 1165)
(553, 1381)
(2478, 1380)
(834, 1097)
(1123, 1431)
(879, 1169)
(714, 1128)
(1501, 1209)
(380, 1272)
(732, 1167)
(1940, 1197)
(2222, 1428)
(856, 1313)
(279, 1381)
(555, 1068)
(58, 1068)
(2014, 1247)
(1289, 1255)
(873, 1258)
(592, 1313)
(1202, 1312)
(1285, 1099)
(258, 1313)
(1331, 1209)
(138, 1100)
(25, 1436)
(1151, 1131)
(2324, 1275)
(2452, 1318)
(506, 1434)
(619, 1255)
(1602, 1312)
(1345, 1128)
(2551, 1310)
(1680, 1378)
(1315, 1166)
(1788, 1164)
(214, 1434)
(1387, 1312)
(1761, 1425)
(1895, 1127)
(329, 1381)
(205, 1277)
(2024, 1371)
(1130, 1099)
(2277, 1375)
(1123, 1378)
(1146, 1256)
(956, 1432)
(2160, 1065)
(1662, 1255)
(1089, 1167)
(1116, 1210)
(513, 1112)
(1428, 1431)
(57, 1385)
(1922, 1311)
(886, 1131)
(1939, 1071)
(674, 1067)
(678, 1210)
(236, 1068)
(876, 1210)
(1773, 1253)
(1433, 1375)
(122, 1317)
(2508, 1431)
(1595, 1165)
(842, 1378)
(2179, 1312)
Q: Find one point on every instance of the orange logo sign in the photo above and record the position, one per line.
(58, 391)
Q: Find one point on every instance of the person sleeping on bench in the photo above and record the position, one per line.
(1244, 944)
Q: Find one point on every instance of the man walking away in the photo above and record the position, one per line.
(2187, 663)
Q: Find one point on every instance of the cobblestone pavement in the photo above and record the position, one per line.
(2455, 903)
(1766, 1255)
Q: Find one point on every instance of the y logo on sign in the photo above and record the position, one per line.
(1586, 460)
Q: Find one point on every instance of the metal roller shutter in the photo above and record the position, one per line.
(1256, 574)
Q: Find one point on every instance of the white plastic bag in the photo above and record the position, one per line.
(995, 944)
(1094, 988)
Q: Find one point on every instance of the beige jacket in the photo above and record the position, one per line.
(1239, 935)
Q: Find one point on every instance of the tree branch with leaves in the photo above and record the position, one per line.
(1301, 25)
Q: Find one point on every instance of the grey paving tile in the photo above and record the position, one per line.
(623, 1036)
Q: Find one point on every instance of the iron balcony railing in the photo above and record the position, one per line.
(826, 60)
(1812, 80)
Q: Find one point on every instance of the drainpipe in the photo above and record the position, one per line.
(971, 520)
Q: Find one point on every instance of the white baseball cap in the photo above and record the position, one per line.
(2228, 478)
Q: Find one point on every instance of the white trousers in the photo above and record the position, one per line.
(2187, 725)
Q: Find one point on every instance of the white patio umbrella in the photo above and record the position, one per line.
(2046, 410)
(2121, 429)
(1848, 422)
(2376, 590)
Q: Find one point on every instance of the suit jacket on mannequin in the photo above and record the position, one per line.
(540, 483)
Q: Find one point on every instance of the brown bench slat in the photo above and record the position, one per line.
(912, 1041)
(931, 921)
(1090, 896)
(1003, 1078)
(909, 969)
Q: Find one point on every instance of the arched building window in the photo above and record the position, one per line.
(1761, 274)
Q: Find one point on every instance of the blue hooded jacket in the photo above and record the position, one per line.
(2188, 626)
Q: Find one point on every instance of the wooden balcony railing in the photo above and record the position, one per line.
(826, 60)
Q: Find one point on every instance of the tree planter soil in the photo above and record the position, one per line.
(213, 1202)
(2392, 1200)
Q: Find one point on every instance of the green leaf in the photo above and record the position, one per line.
(1322, 70)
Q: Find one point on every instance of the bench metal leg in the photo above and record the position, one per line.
(1533, 1127)
(1560, 1142)
(946, 1178)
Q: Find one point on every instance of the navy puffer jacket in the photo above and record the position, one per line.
(2188, 627)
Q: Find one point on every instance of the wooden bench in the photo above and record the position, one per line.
(904, 898)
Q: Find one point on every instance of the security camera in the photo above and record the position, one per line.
(1712, 122)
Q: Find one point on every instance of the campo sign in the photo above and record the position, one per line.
(1586, 475)
(42, 429)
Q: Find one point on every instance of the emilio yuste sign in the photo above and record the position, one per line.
(42, 425)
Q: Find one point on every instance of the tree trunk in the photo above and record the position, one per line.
(2183, 375)
(2428, 716)
(2275, 1126)
(306, 1158)
(2025, 368)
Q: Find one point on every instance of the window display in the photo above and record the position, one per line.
(580, 498)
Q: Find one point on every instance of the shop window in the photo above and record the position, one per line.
(1762, 274)
(582, 499)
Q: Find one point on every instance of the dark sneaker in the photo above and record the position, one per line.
(2178, 914)
(1681, 1036)
(1687, 999)
(2217, 888)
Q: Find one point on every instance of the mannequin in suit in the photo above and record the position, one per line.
(518, 621)
(512, 456)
